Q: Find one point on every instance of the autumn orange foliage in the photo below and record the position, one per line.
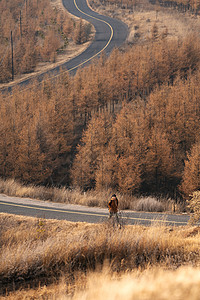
(40, 32)
(134, 117)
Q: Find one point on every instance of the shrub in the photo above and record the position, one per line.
(194, 206)
(149, 204)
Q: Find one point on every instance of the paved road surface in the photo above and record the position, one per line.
(110, 33)
(77, 213)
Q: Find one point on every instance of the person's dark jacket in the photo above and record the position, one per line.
(113, 204)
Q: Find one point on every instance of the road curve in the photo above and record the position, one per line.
(77, 213)
(110, 33)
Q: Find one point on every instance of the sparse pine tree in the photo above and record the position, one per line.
(129, 174)
(191, 174)
(79, 34)
(154, 32)
(165, 33)
(194, 206)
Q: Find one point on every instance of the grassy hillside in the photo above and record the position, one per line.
(181, 284)
(143, 17)
(61, 255)
(128, 122)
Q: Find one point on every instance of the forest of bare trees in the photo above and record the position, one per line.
(39, 33)
(181, 5)
(152, 145)
(129, 122)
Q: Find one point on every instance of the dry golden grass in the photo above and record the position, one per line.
(142, 19)
(152, 284)
(36, 251)
(181, 284)
(91, 198)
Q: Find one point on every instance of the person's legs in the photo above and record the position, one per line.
(110, 214)
(117, 220)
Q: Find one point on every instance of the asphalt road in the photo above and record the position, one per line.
(110, 33)
(77, 213)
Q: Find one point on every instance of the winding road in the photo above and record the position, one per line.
(110, 33)
(77, 213)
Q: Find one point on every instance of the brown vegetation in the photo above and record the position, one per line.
(180, 5)
(141, 148)
(42, 251)
(98, 198)
(40, 32)
(144, 16)
(134, 117)
(146, 145)
(150, 284)
(39, 128)
(194, 206)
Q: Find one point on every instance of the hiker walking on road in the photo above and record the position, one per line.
(113, 208)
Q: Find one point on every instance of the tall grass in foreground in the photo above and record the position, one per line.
(36, 251)
(156, 284)
(12, 187)
(159, 284)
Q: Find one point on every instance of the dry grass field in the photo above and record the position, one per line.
(50, 259)
(93, 198)
(145, 16)
(180, 284)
